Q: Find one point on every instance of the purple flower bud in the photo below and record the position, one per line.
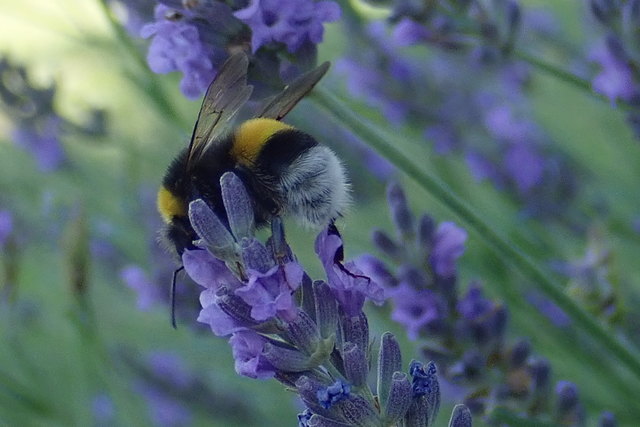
(238, 206)
(616, 76)
(448, 246)
(540, 372)
(413, 276)
(326, 309)
(309, 388)
(6, 226)
(569, 410)
(292, 23)
(474, 305)
(460, 417)
(443, 137)
(603, 10)
(389, 362)
(409, 32)
(303, 333)
(215, 235)
(357, 411)
(426, 229)
(417, 310)
(399, 399)
(286, 359)
(426, 392)
(277, 242)
(519, 353)
(255, 256)
(385, 244)
(328, 396)
(247, 347)
(549, 309)
(514, 18)
(347, 408)
(607, 419)
(355, 329)
(400, 213)
(424, 380)
(356, 365)
(304, 418)
(525, 166)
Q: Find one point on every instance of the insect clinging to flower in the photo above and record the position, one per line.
(285, 170)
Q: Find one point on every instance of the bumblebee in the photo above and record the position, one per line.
(285, 170)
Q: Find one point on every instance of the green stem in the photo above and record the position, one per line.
(23, 395)
(567, 77)
(378, 138)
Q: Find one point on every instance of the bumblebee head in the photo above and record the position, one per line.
(177, 234)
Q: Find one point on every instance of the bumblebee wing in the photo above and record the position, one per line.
(226, 95)
(279, 106)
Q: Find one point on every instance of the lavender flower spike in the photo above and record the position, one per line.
(176, 46)
(320, 347)
(291, 22)
(464, 333)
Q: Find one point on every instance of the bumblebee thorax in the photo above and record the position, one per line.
(251, 136)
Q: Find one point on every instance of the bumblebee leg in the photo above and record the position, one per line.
(172, 296)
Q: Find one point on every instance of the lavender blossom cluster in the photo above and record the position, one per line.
(488, 29)
(618, 54)
(485, 117)
(36, 126)
(464, 333)
(312, 336)
(196, 36)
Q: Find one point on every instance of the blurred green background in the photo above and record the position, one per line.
(71, 331)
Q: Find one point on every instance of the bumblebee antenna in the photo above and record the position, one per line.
(172, 296)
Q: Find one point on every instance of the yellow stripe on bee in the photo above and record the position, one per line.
(251, 136)
(170, 205)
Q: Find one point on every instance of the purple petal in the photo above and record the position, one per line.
(247, 348)
(208, 271)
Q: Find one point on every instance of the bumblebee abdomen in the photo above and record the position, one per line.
(307, 178)
(316, 187)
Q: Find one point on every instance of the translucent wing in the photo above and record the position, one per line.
(278, 106)
(226, 95)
